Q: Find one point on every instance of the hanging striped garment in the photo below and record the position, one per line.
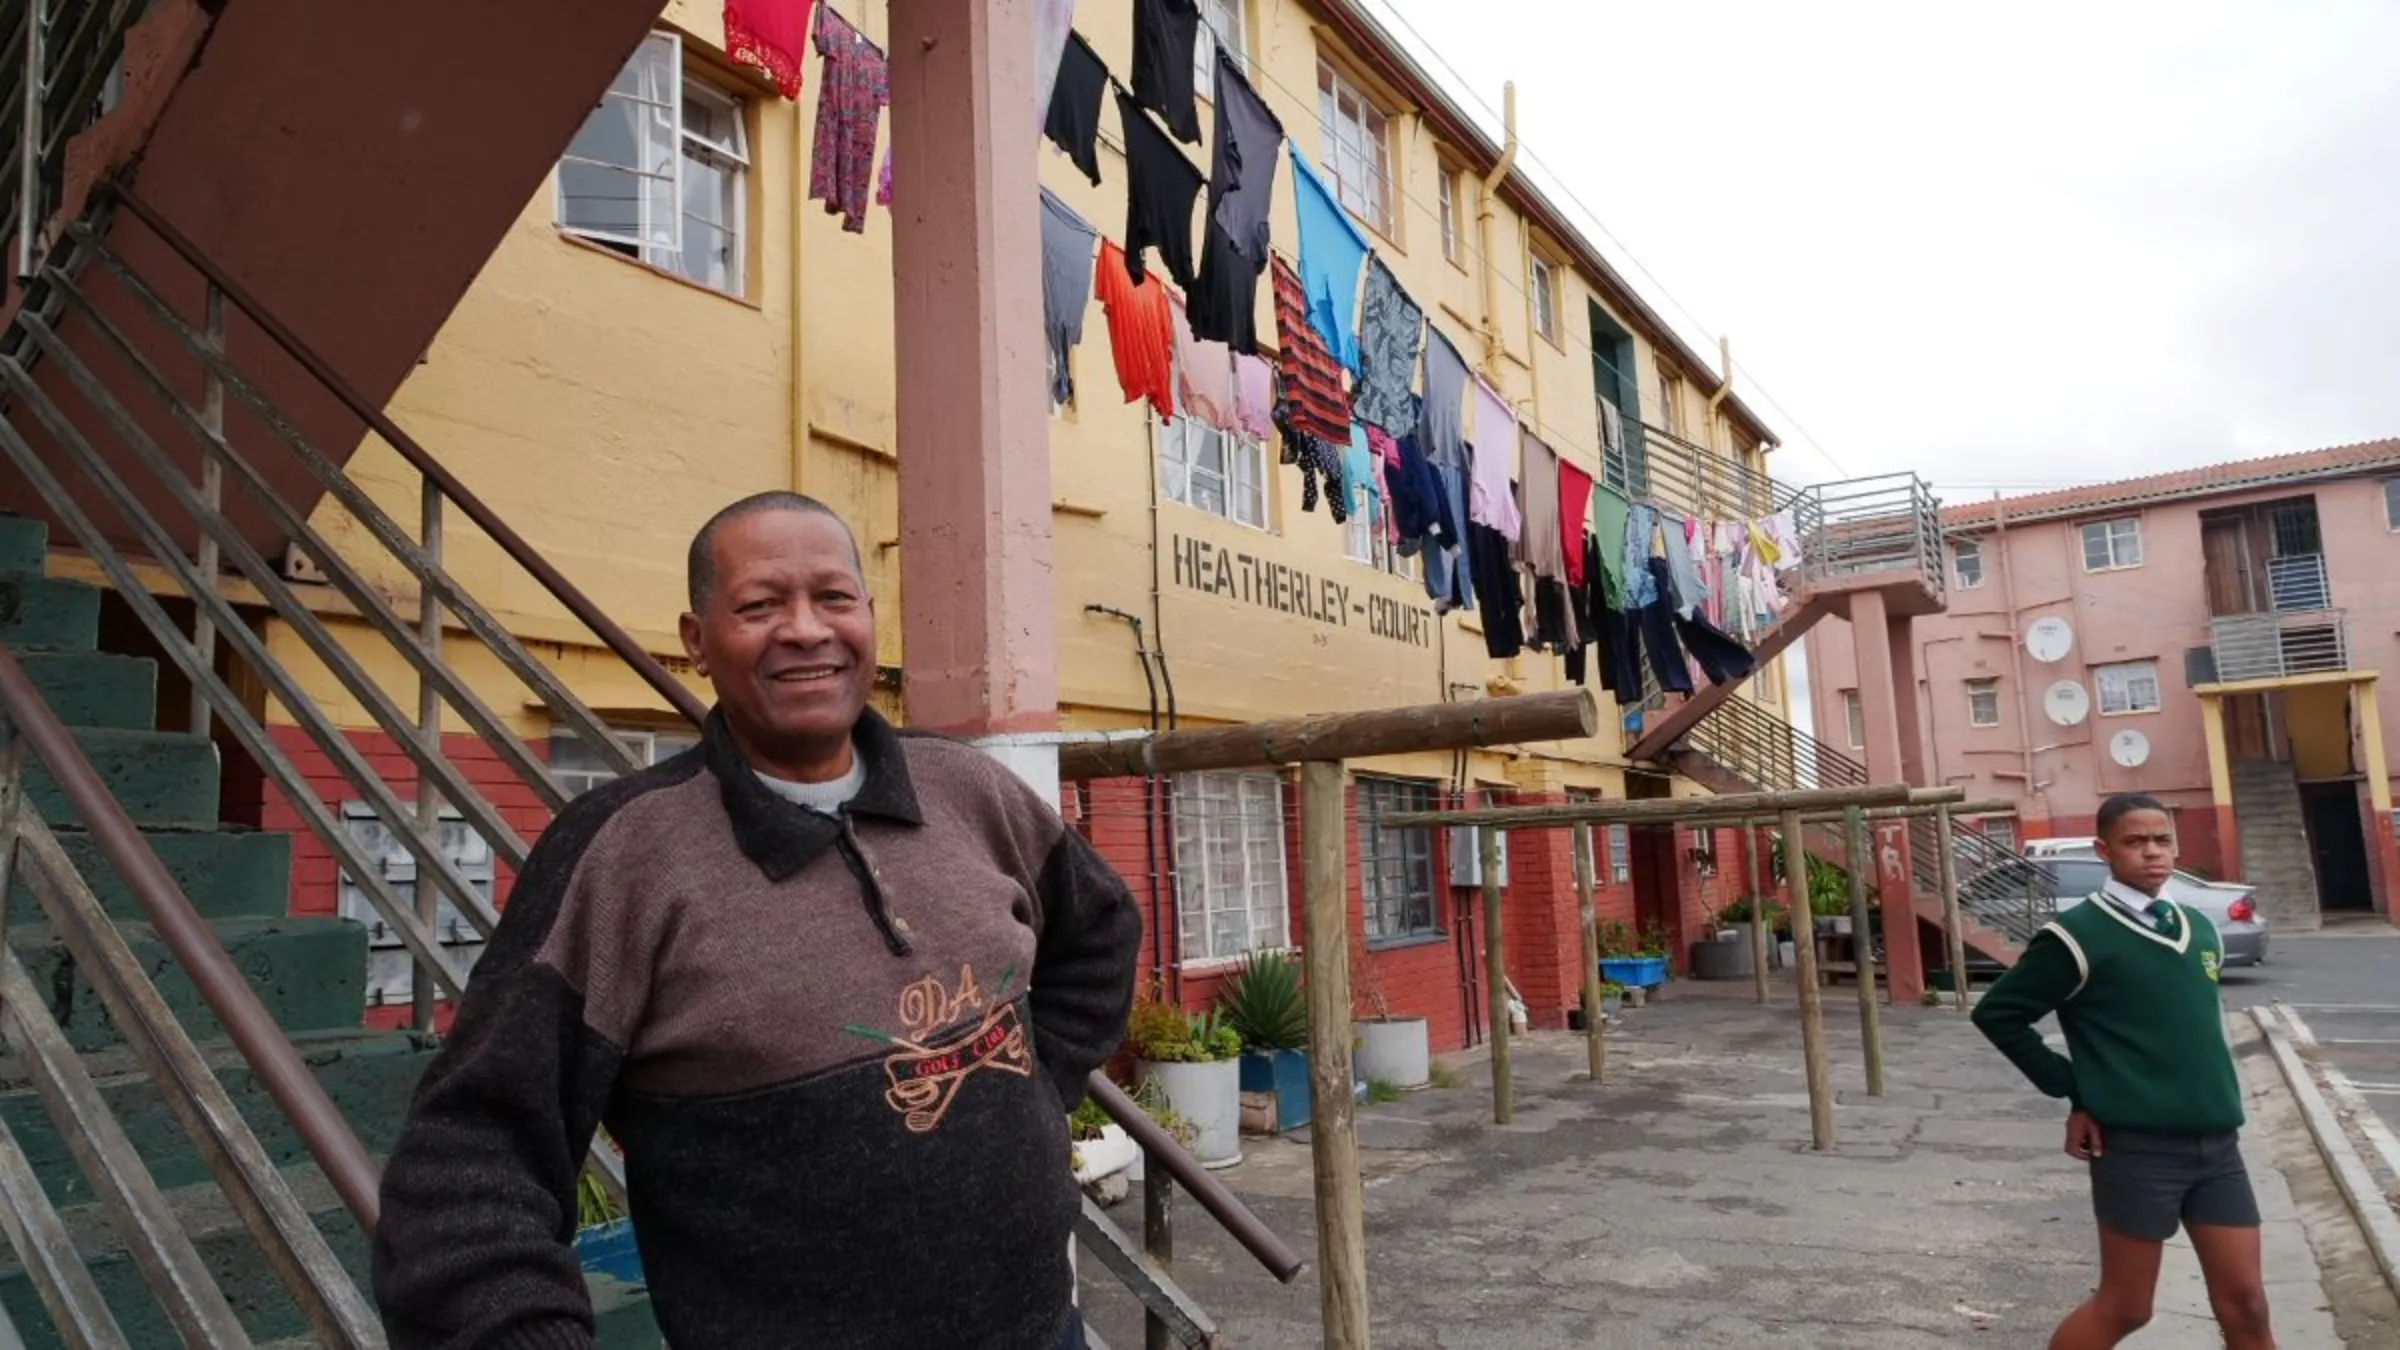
(1312, 383)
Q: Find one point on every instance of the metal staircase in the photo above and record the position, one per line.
(256, 1016)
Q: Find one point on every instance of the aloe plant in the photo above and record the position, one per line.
(1265, 1004)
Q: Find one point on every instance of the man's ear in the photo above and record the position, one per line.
(689, 628)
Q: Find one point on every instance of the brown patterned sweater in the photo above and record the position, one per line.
(838, 1054)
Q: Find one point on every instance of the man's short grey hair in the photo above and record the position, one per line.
(700, 564)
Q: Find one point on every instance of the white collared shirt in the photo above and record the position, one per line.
(2133, 901)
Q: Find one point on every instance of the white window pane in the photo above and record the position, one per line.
(617, 179)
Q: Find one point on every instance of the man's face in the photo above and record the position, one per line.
(2140, 849)
(787, 636)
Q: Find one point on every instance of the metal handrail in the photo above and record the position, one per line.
(241, 1166)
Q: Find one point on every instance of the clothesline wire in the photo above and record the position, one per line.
(1593, 219)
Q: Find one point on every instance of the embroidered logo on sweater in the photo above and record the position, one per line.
(927, 1074)
(2212, 963)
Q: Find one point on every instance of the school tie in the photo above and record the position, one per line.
(2162, 912)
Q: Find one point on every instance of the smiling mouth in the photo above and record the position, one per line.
(807, 675)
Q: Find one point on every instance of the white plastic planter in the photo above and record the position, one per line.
(1113, 1152)
(1398, 1051)
(1209, 1097)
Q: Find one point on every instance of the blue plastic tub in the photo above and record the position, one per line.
(1635, 972)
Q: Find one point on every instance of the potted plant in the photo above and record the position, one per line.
(1727, 954)
(1636, 963)
(604, 1241)
(1153, 1102)
(1397, 1050)
(1612, 998)
(1195, 1059)
(1267, 1008)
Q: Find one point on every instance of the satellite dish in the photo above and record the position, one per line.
(2130, 749)
(2067, 703)
(2048, 640)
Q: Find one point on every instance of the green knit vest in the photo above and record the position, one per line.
(2146, 1028)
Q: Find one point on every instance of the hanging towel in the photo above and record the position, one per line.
(1445, 394)
(1066, 289)
(1610, 516)
(1640, 589)
(1391, 332)
(1241, 183)
(1204, 377)
(1312, 383)
(1141, 331)
(1253, 396)
(771, 35)
(1688, 590)
(1225, 295)
(857, 85)
(1052, 21)
(1332, 251)
(1493, 453)
(1448, 579)
(1166, 36)
(1161, 186)
(1073, 124)
(1574, 510)
(1539, 543)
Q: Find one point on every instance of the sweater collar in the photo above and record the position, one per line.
(782, 836)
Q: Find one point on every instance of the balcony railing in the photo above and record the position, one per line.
(2279, 646)
(2297, 582)
(1865, 526)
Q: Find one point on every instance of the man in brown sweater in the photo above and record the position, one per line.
(832, 987)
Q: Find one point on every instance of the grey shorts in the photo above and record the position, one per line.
(2146, 1184)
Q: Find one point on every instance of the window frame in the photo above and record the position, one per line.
(1620, 854)
(644, 743)
(2002, 831)
(1854, 718)
(1255, 822)
(1379, 795)
(2100, 680)
(1177, 460)
(1961, 551)
(1212, 37)
(1542, 276)
(2110, 538)
(2391, 504)
(666, 249)
(1981, 688)
(1670, 402)
(1449, 207)
(1381, 553)
(1379, 214)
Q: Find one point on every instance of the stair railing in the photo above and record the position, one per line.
(31, 856)
(204, 533)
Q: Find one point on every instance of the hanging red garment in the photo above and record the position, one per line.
(771, 35)
(1574, 508)
(1141, 331)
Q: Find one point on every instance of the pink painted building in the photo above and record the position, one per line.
(2212, 637)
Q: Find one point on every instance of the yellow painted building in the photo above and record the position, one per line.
(605, 401)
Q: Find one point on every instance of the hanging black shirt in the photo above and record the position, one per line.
(1223, 303)
(1074, 122)
(1166, 34)
(1241, 183)
(1161, 187)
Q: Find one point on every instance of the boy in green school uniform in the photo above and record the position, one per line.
(2156, 1102)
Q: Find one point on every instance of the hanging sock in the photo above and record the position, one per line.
(1161, 186)
(1391, 333)
(771, 35)
(1332, 253)
(1053, 20)
(1073, 122)
(857, 85)
(1312, 383)
(1066, 289)
(1166, 37)
(1445, 393)
(1574, 509)
(1493, 452)
(1141, 331)
(1204, 377)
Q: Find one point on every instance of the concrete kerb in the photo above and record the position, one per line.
(2360, 1192)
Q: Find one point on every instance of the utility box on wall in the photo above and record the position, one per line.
(391, 970)
(1466, 856)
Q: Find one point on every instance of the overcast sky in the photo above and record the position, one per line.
(2034, 245)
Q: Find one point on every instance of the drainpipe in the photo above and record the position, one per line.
(2016, 649)
(1717, 401)
(799, 371)
(1141, 649)
(1483, 229)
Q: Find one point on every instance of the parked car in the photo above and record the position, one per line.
(2019, 897)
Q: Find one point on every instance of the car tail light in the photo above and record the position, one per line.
(2241, 911)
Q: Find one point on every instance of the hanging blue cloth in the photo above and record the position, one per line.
(1640, 587)
(1361, 473)
(1332, 250)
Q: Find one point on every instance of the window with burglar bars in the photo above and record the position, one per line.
(1983, 703)
(1229, 865)
(2127, 687)
(1395, 867)
(659, 171)
(2112, 543)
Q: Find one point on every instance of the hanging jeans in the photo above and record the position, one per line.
(1657, 624)
(1497, 592)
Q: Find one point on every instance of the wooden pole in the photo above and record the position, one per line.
(1762, 933)
(1333, 1137)
(1587, 903)
(1566, 715)
(1682, 810)
(1953, 922)
(1862, 947)
(1495, 976)
(1958, 811)
(1812, 1003)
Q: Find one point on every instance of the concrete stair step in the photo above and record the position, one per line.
(369, 1075)
(162, 778)
(310, 974)
(96, 689)
(39, 613)
(228, 873)
(24, 543)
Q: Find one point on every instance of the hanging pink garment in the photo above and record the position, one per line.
(1204, 376)
(1490, 498)
(1254, 395)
